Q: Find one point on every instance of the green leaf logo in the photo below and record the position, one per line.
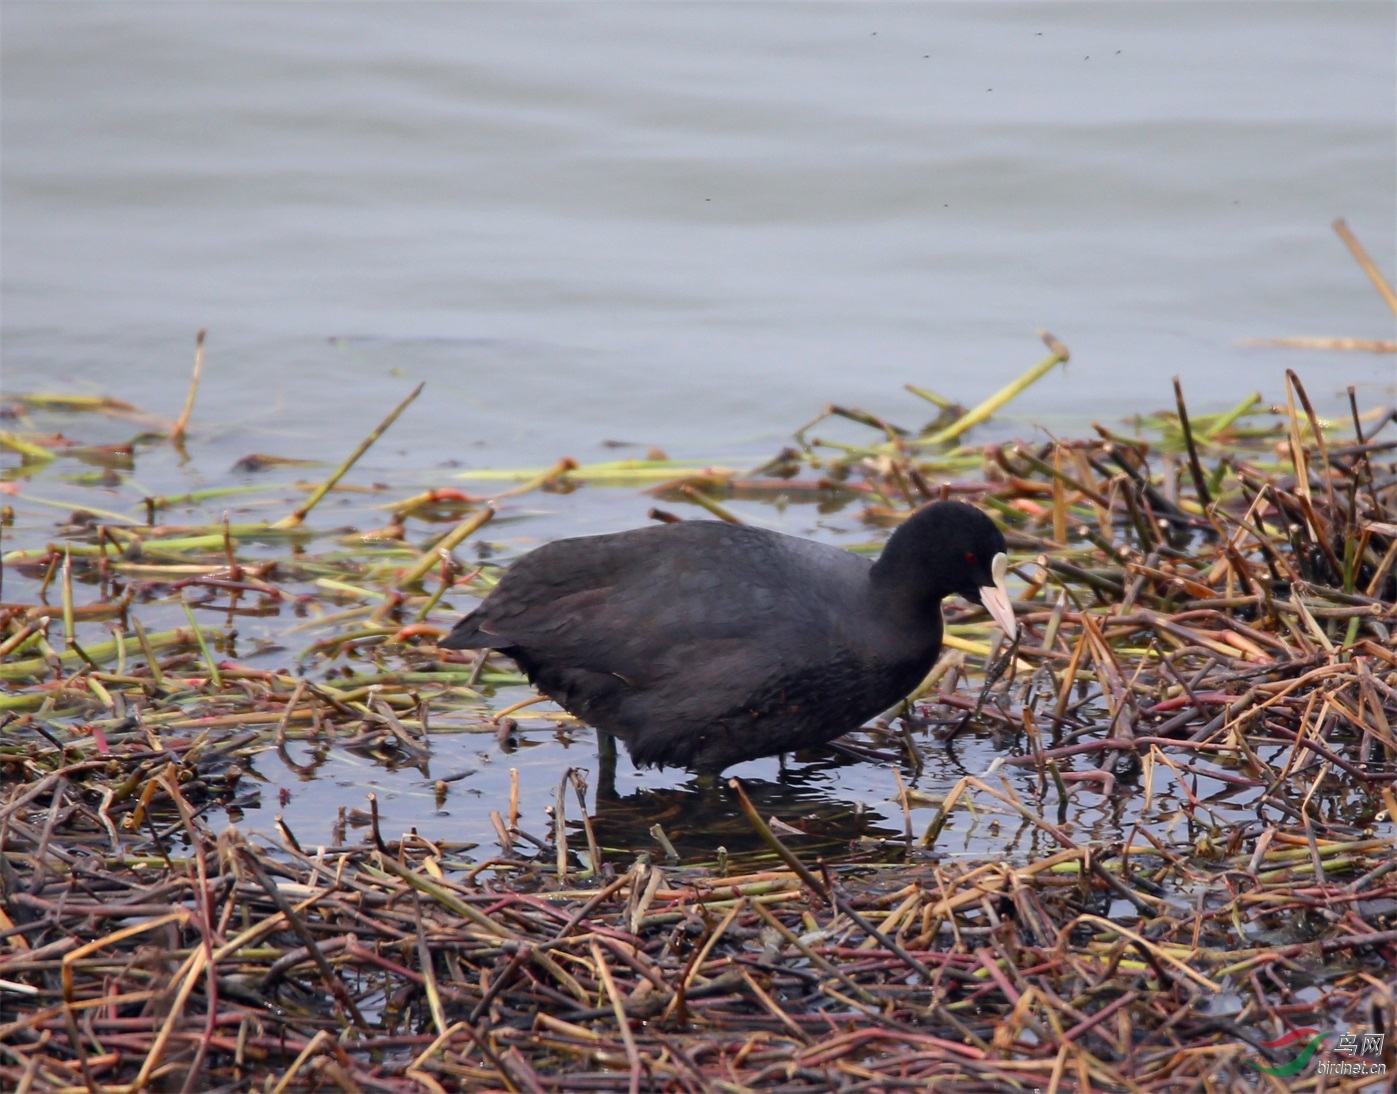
(1295, 1065)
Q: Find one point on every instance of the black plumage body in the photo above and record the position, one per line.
(702, 644)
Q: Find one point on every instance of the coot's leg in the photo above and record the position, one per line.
(606, 764)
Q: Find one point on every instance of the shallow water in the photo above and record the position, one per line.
(681, 226)
(828, 803)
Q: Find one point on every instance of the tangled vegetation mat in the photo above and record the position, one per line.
(1206, 613)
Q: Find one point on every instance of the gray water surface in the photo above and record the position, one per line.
(686, 225)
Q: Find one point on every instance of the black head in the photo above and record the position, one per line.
(947, 548)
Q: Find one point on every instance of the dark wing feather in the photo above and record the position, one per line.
(618, 604)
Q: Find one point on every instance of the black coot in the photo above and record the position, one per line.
(702, 644)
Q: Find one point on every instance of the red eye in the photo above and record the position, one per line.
(970, 557)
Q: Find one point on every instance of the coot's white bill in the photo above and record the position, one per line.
(995, 597)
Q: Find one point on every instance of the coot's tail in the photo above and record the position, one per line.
(468, 635)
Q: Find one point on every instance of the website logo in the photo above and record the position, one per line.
(1296, 1065)
(1310, 1040)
